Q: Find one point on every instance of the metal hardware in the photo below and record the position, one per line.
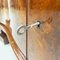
(22, 28)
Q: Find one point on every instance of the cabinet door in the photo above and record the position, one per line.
(15, 10)
(44, 42)
(18, 17)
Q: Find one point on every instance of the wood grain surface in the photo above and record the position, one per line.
(44, 43)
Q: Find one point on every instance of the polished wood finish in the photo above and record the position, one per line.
(44, 43)
(16, 4)
(1, 3)
(45, 4)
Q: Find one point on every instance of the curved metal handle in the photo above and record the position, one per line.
(22, 28)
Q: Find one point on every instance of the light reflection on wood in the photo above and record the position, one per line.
(48, 34)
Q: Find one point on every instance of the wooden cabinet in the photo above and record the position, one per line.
(44, 43)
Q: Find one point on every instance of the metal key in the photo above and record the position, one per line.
(22, 28)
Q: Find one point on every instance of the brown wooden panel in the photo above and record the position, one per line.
(17, 18)
(18, 4)
(45, 4)
(44, 43)
(1, 3)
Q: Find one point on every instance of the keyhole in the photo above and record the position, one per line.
(38, 26)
